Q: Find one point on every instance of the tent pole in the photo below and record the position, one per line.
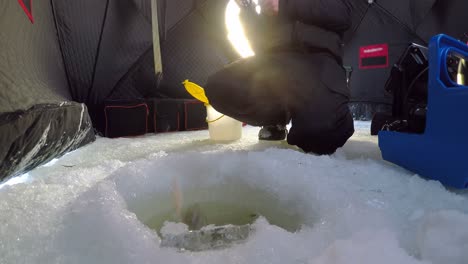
(156, 43)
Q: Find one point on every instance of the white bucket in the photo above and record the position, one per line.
(222, 127)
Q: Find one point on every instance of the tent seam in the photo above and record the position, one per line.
(59, 40)
(131, 68)
(409, 30)
(90, 88)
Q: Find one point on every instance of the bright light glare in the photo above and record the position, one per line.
(258, 8)
(16, 180)
(235, 30)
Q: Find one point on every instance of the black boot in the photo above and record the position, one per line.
(277, 132)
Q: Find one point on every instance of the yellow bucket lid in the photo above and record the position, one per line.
(196, 91)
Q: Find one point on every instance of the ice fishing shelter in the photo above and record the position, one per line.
(63, 63)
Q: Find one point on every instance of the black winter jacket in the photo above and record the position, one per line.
(310, 24)
(318, 24)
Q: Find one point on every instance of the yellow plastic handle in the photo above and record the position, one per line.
(196, 91)
(212, 121)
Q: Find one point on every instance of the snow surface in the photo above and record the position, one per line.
(354, 207)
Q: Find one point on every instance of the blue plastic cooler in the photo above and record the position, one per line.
(441, 153)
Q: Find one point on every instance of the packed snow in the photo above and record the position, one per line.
(98, 204)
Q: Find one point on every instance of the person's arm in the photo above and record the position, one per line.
(334, 15)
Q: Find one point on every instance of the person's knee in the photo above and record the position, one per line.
(223, 92)
(216, 85)
(321, 137)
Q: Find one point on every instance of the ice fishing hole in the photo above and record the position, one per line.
(229, 209)
(229, 189)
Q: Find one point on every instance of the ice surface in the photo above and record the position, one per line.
(89, 206)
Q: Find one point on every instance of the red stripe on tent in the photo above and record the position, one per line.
(27, 10)
(127, 107)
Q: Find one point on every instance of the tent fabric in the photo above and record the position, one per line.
(99, 52)
(31, 67)
(189, 53)
(109, 55)
(38, 121)
(409, 13)
(448, 16)
(376, 28)
(194, 43)
(75, 39)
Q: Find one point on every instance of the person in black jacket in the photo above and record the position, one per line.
(296, 75)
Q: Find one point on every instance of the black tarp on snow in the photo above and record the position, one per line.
(392, 25)
(38, 120)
